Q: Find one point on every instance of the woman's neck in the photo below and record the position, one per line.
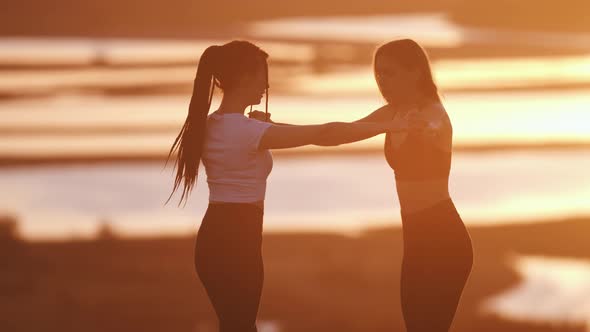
(231, 104)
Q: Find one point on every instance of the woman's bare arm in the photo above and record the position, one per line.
(341, 133)
(383, 113)
(333, 133)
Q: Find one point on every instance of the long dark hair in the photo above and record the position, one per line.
(409, 54)
(220, 66)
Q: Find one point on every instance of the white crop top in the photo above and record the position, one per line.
(236, 169)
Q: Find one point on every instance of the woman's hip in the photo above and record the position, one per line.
(230, 230)
(439, 227)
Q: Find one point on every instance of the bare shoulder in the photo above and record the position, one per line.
(439, 129)
(434, 110)
(436, 113)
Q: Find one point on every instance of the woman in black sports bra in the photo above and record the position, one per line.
(438, 253)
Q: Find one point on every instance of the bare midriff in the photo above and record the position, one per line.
(416, 195)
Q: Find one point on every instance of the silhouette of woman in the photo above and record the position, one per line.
(438, 252)
(235, 152)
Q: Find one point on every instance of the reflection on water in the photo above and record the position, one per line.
(512, 72)
(461, 74)
(58, 80)
(346, 79)
(428, 29)
(490, 188)
(431, 29)
(552, 290)
(482, 118)
(314, 193)
(68, 51)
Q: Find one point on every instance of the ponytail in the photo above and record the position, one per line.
(189, 141)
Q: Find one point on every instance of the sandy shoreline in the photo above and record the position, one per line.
(337, 282)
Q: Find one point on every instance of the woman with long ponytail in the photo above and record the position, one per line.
(235, 152)
(189, 141)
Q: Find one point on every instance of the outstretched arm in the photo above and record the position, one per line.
(333, 133)
(334, 138)
(381, 114)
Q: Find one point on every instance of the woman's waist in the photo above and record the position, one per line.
(419, 164)
(237, 181)
(259, 204)
(417, 195)
(238, 192)
(224, 221)
(420, 169)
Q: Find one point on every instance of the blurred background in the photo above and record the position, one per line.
(92, 95)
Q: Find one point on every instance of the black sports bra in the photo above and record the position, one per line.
(417, 158)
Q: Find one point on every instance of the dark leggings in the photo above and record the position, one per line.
(228, 260)
(437, 261)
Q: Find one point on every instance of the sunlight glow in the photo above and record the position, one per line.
(553, 290)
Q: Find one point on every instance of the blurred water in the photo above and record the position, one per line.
(431, 29)
(314, 193)
(86, 51)
(434, 29)
(552, 290)
(178, 69)
(305, 192)
(148, 125)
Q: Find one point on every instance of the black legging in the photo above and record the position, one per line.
(437, 261)
(228, 260)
